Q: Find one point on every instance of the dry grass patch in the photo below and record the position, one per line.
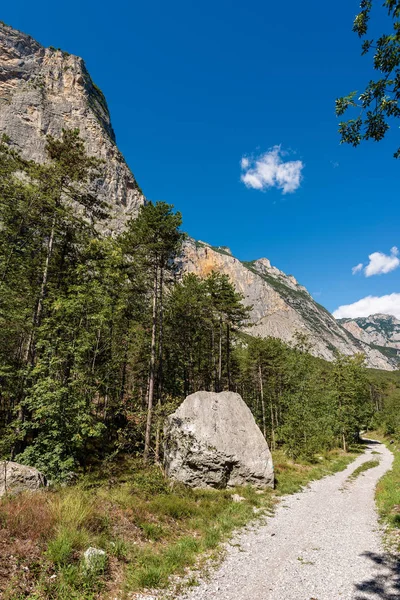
(28, 516)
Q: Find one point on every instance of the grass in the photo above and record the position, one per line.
(369, 464)
(291, 476)
(151, 530)
(388, 495)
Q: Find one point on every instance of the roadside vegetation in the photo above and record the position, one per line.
(388, 492)
(154, 534)
(386, 428)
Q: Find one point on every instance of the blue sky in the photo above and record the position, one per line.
(195, 87)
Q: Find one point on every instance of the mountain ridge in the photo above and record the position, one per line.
(281, 307)
(378, 330)
(43, 90)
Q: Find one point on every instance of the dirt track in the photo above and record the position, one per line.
(322, 544)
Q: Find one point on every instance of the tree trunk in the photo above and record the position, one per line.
(150, 398)
(29, 354)
(29, 351)
(214, 362)
(228, 356)
(220, 358)
(160, 371)
(262, 400)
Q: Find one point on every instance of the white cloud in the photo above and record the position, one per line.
(380, 263)
(371, 305)
(270, 170)
(357, 268)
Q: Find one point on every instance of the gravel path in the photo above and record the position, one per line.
(322, 544)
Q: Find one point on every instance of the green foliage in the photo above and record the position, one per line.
(388, 495)
(385, 395)
(60, 550)
(301, 403)
(99, 339)
(202, 318)
(353, 410)
(379, 102)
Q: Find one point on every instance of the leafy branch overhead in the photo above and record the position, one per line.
(378, 104)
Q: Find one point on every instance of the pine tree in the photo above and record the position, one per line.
(155, 241)
(350, 394)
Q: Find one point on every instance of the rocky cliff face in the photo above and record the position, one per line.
(281, 307)
(377, 330)
(42, 91)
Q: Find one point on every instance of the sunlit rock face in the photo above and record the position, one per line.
(380, 330)
(281, 307)
(42, 91)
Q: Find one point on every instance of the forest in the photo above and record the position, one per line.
(102, 336)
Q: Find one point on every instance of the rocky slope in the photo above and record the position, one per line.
(42, 91)
(378, 330)
(281, 307)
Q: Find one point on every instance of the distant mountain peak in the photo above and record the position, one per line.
(281, 307)
(379, 330)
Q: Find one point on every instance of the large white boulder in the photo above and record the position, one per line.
(16, 478)
(212, 440)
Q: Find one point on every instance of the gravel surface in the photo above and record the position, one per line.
(323, 543)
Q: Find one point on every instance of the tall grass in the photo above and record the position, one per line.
(150, 529)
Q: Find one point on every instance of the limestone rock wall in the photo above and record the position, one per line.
(381, 330)
(280, 305)
(42, 91)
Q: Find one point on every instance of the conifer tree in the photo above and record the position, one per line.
(155, 241)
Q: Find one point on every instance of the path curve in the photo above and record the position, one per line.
(322, 543)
